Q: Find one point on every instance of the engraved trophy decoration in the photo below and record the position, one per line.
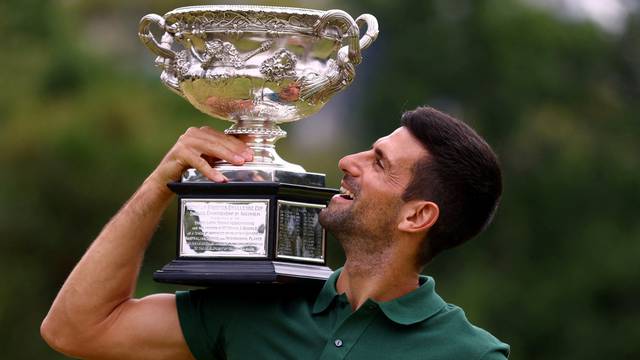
(255, 66)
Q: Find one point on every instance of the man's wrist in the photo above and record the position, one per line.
(152, 194)
(155, 184)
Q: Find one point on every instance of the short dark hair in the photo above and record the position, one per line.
(461, 174)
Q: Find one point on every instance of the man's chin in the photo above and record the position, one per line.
(332, 216)
(324, 214)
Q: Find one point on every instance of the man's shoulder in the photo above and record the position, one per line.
(462, 337)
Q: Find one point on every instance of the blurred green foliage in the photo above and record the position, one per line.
(83, 119)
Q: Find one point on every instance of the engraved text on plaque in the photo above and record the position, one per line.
(224, 228)
(300, 235)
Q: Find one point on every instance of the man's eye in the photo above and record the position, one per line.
(379, 163)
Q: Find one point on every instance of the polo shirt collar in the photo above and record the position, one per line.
(327, 294)
(416, 306)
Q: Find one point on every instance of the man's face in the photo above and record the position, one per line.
(371, 191)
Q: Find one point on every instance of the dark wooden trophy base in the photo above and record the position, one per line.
(295, 244)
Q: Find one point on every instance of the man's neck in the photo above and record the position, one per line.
(379, 280)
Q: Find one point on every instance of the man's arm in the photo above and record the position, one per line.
(94, 314)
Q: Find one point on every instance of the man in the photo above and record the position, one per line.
(430, 185)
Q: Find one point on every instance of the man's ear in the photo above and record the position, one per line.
(418, 216)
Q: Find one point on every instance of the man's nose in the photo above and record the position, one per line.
(349, 164)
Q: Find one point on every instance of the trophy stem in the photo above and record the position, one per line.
(265, 154)
(261, 137)
(267, 165)
(261, 130)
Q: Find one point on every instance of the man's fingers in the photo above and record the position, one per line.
(230, 142)
(211, 160)
(215, 150)
(199, 163)
(201, 147)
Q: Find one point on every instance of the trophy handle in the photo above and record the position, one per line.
(346, 23)
(372, 30)
(166, 57)
(320, 87)
(149, 40)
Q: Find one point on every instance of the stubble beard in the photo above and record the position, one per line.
(364, 229)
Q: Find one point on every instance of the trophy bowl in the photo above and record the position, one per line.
(257, 66)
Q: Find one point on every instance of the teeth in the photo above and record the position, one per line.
(346, 192)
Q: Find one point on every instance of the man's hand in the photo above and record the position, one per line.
(199, 148)
(94, 314)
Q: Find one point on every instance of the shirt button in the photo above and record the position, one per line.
(338, 343)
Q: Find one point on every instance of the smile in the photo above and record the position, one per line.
(346, 194)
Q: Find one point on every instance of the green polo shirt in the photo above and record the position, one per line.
(296, 323)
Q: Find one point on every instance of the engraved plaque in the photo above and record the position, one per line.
(300, 235)
(224, 228)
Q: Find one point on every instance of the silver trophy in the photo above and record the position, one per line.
(256, 66)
